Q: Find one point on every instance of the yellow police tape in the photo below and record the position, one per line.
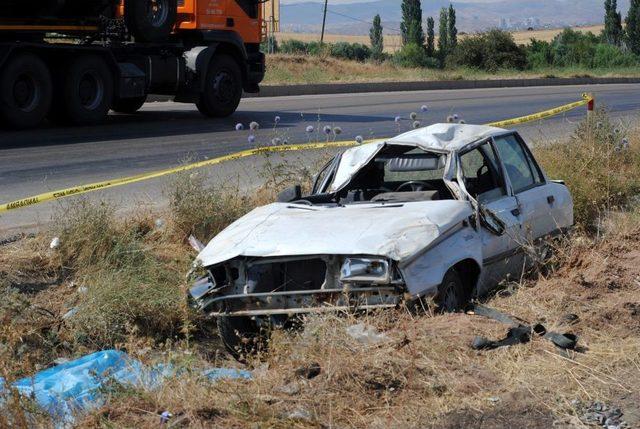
(586, 99)
(77, 190)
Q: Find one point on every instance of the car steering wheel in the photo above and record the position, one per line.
(416, 186)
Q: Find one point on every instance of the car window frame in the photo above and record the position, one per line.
(477, 145)
(529, 158)
(319, 187)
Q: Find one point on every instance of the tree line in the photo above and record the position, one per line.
(495, 49)
(617, 46)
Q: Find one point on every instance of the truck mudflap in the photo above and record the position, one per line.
(256, 70)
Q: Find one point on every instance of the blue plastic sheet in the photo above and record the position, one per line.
(76, 386)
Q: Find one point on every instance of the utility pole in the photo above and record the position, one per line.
(324, 20)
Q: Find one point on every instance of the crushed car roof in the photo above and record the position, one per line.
(437, 137)
(445, 137)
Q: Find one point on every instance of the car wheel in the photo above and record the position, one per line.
(86, 92)
(151, 20)
(25, 91)
(240, 335)
(222, 89)
(128, 105)
(452, 294)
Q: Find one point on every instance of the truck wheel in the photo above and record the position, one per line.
(452, 294)
(151, 20)
(86, 92)
(128, 105)
(240, 335)
(222, 89)
(25, 91)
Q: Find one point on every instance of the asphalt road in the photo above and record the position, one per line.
(164, 134)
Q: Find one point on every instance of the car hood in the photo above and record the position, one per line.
(396, 231)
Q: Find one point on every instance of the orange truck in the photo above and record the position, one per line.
(71, 61)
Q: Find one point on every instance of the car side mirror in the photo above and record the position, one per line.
(492, 222)
(292, 193)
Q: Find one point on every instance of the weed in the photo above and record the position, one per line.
(203, 210)
(598, 167)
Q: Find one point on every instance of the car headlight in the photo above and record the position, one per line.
(365, 270)
(200, 288)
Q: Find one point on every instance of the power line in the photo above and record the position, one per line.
(361, 20)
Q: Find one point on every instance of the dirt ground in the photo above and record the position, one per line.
(424, 374)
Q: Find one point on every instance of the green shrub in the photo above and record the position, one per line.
(343, 50)
(315, 48)
(412, 55)
(293, 47)
(489, 51)
(350, 51)
(539, 54)
(612, 56)
(572, 48)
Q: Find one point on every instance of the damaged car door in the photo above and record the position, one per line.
(484, 181)
(543, 203)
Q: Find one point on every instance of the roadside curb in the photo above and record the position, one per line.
(362, 87)
(342, 88)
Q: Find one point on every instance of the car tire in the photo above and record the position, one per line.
(85, 92)
(240, 335)
(452, 294)
(128, 105)
(26, 91)
(223, 88)
(151, 20)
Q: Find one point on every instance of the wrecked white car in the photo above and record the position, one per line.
(442, 211)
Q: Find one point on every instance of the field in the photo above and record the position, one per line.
(292, 69)
(125, 278)
(392, 42)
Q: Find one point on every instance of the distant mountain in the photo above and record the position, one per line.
(354, 18)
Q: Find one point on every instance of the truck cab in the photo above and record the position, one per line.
(72, 61)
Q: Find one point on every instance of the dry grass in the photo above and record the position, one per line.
(393, 42)
(600, 166)
(291, 69)
(424, 374)
(524, 37)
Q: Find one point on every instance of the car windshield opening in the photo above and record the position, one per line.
(398, 174)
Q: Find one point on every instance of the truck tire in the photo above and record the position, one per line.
(128, 105)
(222, 88)
(240, 335)
(26, 91)
(151, 20)
(85, 92)
(452, 294)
